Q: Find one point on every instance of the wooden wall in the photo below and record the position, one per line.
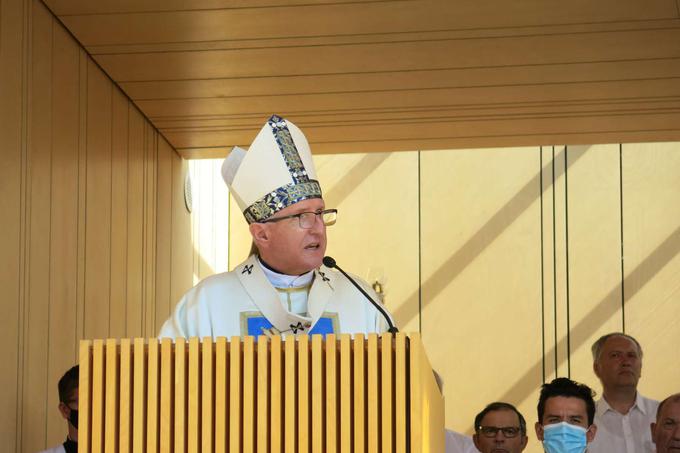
(512, 261)
(95, 238)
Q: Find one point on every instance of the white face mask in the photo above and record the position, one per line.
(564, 438)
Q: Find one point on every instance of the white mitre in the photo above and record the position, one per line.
(277, 171)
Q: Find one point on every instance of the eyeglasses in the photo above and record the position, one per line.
(491, 431)
(307, 219)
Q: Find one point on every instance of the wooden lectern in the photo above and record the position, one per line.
(298, 394)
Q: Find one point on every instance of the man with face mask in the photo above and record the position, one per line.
(282, 287)
(666, 428)
(68, 407)
(566, 411)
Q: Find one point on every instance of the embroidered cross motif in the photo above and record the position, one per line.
(296, 327)
(247, 268)
(323, 277)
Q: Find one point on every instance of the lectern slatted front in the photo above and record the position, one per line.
(346, 394)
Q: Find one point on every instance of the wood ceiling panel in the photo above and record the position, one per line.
(408, 56)
(420, 79)
(361, 21)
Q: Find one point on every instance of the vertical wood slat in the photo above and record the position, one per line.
(290, 400)
(85, 395)
(263, 395)
(167, 391)
(125, 409)
(249, 395)
(387, 379)
(112, 397)
(359, 413)
(276, 418)
(400, 373)
(207, 395)
(152, 428)
(373, 387)
(331, 395)
(98, 385)
(194, 397)
(303, 397)
(318, 395)
(180, 421)
(139, 397)
(221, 392)
(345, 385)
(235, 395)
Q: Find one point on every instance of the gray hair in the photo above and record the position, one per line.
(599, 344)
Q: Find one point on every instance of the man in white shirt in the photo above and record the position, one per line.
(282, 287)
(622, 415)
(459, 443)
(666, 428)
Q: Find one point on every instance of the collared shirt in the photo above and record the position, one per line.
(630, 433)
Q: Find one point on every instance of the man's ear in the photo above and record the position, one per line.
(539, 431)
(652, 426)
(64, 410)
(590, 434)
(525, 440)
(260, 234)
(595, 369)
(475, 440)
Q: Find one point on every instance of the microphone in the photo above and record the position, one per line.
(330, 263)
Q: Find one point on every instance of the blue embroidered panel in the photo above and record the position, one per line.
(257, 325)
(323, 327)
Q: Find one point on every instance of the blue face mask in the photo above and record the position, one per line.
(564, 438)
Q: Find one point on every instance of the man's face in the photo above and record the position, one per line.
(499, 443)
(619, 364)
(286, 246)
(666, 430)
(69, 406)
(565, 409)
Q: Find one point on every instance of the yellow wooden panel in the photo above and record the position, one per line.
(149, 257)
(221, 392)
(249, 394)
(345, 383)
(82, 191)
(651, 250)
(400, 393)
(276, 417)
(98, 389)
(135, 268)
(386, 393)
(64, 224)
(119, 210)
(112, 397)
(126, 396)
(594, 220)
(332, 394)
(289, 396)
(98, 204)
(548, 265)
(85, 385)
(207, 394)
(139, 396)
(497, 241)
(235, 390)
(152, 392)
(304, 396)
(194, 397)
(318, 413)
(164, 233)
(167, 391)
(38, 219)
(181, 383)
(372, 400)
(359, 415)
(12, 67)
(263, 393)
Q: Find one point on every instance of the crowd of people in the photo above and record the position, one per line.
(569, 420)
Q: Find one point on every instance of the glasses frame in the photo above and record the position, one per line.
(503, 429)
(300, 214)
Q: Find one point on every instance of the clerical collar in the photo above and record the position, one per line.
(70, 446)
(279, 280)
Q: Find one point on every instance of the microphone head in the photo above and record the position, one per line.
(328, 261)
